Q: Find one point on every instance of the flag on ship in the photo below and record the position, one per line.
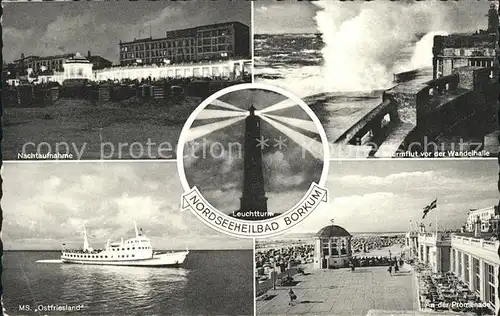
(429, 207)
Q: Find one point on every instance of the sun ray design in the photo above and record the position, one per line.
(225, 105)
(303, 124)
(314, 147)
(200, 131)
(212, 114)
(285, 104)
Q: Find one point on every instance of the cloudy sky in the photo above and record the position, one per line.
(45, 204)
(291, 16)
(60, 27)
(384, 195)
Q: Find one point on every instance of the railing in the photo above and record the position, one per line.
(372, 119)
(194, 64)
(477, 242)
(441, 84)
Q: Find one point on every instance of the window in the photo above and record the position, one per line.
(459, 272)
(133, 255)
(476, 274)
(466, 269)
(326, 250)
(489, 281)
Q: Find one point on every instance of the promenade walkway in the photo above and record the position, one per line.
(342, 292)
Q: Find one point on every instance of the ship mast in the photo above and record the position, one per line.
(136, 231)
(85, 239)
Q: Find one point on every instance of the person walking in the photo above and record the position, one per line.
(390, 270)
(293, 297)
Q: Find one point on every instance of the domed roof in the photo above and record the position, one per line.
(77, 59)
(333, 231)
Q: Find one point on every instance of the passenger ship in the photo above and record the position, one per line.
(131, 252)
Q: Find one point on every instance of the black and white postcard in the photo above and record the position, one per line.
(403, 79)
(115, 80)
(247, 158)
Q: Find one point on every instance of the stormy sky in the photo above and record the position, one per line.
(46, 204)
(49, 28)
(384, 195)
(290, 16)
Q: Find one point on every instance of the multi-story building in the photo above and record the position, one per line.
(474, 260)
(471, 256)
(433, 249)
(457, 50)
(222, 41)
(45, 64)
(485, 215)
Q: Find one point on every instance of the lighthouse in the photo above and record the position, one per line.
(253, 202)
(493, 19)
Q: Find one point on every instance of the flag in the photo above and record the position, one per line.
(429, 207)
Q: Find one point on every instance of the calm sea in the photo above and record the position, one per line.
(211, 283)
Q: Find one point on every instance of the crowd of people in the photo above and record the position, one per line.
(366, 244)
(446, 292)
(303, 253)
(299, 254)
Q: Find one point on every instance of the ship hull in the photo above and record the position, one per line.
(159, 260)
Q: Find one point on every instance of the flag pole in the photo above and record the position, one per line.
(436, 220)
(436, 217)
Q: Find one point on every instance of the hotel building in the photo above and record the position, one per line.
(485, 215)
(433, 249)
(472, 255)
(55, 63)
(204, 43)
(458, 50)
(475, 261)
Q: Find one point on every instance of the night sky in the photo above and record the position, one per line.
(51, 28)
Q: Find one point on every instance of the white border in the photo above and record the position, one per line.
(175, 160)
(201, 107)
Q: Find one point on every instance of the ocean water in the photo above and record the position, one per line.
(211, 283)
(302, 64)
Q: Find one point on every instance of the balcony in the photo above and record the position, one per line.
(478, 243)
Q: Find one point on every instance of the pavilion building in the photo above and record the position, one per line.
(332, 247)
